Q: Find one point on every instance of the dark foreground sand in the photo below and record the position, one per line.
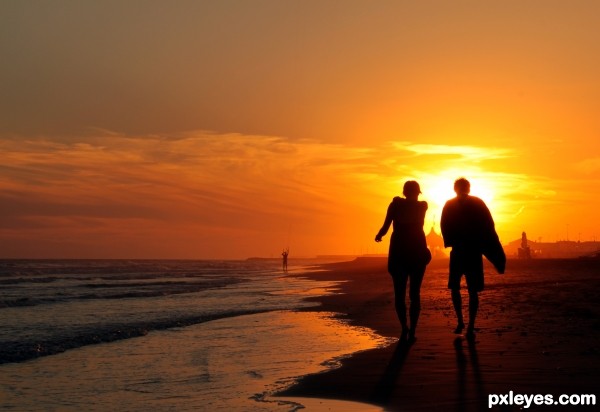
(538, 333)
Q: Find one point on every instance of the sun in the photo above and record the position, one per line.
(438, 188)
(438, 191)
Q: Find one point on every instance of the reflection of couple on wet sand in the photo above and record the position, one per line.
(467, 226)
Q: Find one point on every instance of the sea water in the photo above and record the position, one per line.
(168, 335)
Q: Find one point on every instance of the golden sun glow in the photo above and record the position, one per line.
(285, 191)
(214, 144)
(439, 188)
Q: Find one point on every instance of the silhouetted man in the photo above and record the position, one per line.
(467, 226)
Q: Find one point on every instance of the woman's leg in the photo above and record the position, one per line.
(399, 298)
(415, 298)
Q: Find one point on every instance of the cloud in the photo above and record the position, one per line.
(215, 190)
(200, 177)
(192, 175)
(519, 211)
(469, 153)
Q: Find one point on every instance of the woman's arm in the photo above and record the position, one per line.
(389, 217)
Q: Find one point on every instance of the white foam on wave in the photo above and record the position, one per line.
(65, 323)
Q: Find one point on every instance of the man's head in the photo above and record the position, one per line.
(462, 186)
(411, 189)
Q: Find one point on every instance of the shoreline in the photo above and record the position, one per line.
(538, 333)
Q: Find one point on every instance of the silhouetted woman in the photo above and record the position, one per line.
(409, 254)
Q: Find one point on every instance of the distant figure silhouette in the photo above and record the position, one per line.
(467, 226)
(284, 256)
(408, 255)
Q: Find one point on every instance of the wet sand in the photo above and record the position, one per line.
(230, 364)
(538, 332)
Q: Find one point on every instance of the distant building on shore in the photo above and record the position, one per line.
(524, 248)
(524, 252)
(435, 242)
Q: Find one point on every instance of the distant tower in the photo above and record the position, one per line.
(524, 250)
(435, 242)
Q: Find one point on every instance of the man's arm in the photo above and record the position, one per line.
(445, 225)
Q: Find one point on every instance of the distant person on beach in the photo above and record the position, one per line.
(468, 227)
(408, 255)
(284, 257)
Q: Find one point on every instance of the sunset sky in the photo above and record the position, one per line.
(228, 129)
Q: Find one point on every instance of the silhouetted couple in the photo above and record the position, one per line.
(467, 227)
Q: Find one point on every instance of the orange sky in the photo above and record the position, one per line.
(232, 129)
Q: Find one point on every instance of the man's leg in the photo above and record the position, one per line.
(457, 302)
(456, 272)
(473, 307)
(475, 283)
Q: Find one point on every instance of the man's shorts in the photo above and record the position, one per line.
(468, 263)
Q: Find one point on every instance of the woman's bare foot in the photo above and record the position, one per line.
(470, 332)
(404, 334)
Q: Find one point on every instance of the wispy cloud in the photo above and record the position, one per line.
(221, 190)
(468, 153)
(212, 185)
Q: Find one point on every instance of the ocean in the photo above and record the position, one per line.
(167, 335)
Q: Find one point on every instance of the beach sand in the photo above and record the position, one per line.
(538, 333)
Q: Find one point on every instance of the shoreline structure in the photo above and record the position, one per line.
(538, 334)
